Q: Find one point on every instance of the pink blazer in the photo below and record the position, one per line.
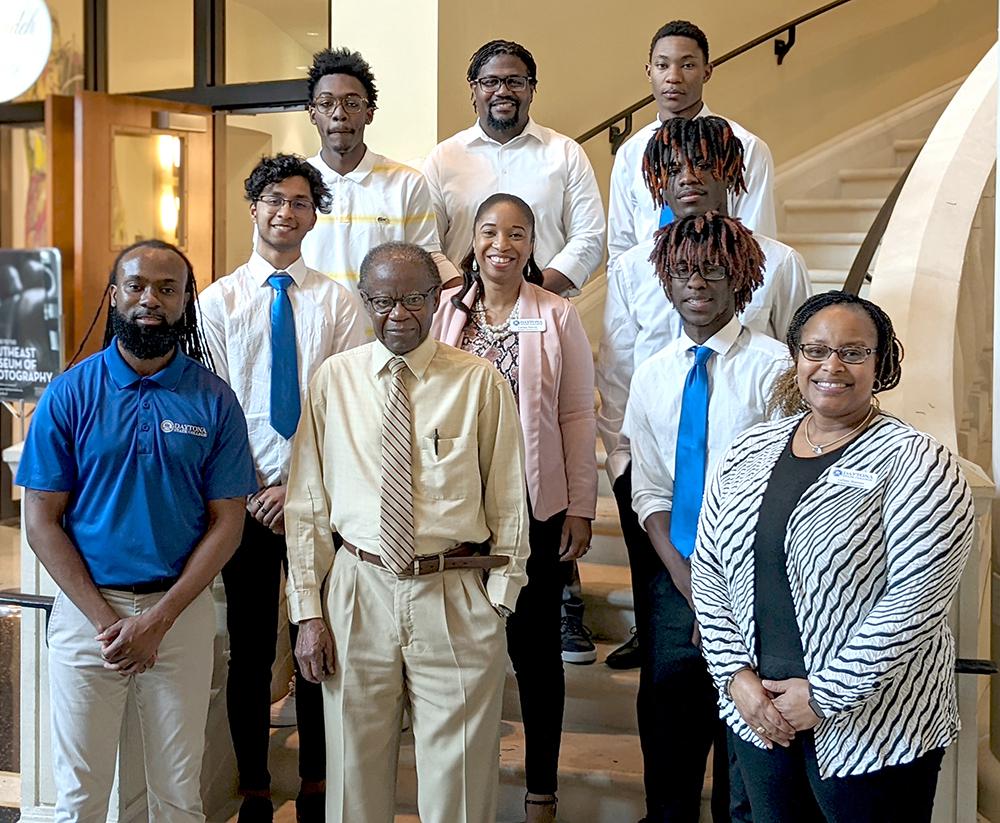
(556, 388)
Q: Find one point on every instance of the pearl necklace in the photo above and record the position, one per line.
(819, 449)
(494, 334)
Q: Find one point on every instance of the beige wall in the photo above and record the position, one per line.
(846, 68)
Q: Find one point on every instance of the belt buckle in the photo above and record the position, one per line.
(416, 563)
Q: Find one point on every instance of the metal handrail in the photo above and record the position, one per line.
(781, 48)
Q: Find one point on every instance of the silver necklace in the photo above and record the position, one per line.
(494, 334)
(820, 448)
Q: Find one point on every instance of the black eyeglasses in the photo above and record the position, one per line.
(273, 201)
(352, 103)
(383, 304)
(709, 273)
(851, 355)
(516, 82)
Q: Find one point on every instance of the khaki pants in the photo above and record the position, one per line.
(437, 641)
(88, 705)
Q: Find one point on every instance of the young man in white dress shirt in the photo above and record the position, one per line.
(374, 199)
(693, 166)
(709, 266)
(269, 325)
(678, 68)
(507, 151)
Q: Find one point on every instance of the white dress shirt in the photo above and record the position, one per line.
(381, 200)
(547, 170)
(740, 376)
(632, 217)
(639, 321)
(236, 316)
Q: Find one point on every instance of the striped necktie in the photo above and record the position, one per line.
(396, 517)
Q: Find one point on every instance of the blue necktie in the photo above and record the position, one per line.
(285, 402)
(666, 216)
(692, 454)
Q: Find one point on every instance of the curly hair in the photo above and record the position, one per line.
(680, 28)
(785, 395)
(343, 61)
(701, 140)
(470, 273)
(488, 51)
(192, 341)
(271, 170)
(712, 239)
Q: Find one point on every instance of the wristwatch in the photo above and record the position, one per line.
(817, 709)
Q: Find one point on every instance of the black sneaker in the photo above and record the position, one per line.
(310, 807)
(627, 655)
(577, 647)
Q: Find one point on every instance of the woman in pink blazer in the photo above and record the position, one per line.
(537, 342)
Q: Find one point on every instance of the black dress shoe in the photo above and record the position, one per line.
(256, 809)
(626, 656)
(310, 807)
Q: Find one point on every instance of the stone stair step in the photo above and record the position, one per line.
(823, 214)
(906, 149)
(873, 182)
(597, 698)
(607, 544)
(825, 250)
(827, 279)
(607, 597)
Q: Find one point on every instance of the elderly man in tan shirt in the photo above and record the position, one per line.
(410, 451)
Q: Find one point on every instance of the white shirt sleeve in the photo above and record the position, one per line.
(424, 232)
(755, 206)
(583, 219)
(621, 208)
(652, 479)
(792, 289)
(211, 313)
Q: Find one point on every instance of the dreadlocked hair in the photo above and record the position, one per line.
(785, 395)
(192, 339)
(470, 273)
(704, 142)
(711, 239)
(488, 51)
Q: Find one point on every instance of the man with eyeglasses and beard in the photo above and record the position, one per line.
(269, 325)
(374, 199)
(507, 151)
(136, 469)
(409, 453)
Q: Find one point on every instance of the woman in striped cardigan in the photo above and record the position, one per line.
(830, 547)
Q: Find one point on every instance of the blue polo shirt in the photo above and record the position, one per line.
(140, 457)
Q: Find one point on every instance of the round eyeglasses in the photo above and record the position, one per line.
(851, 355)
(383, 304)
(516, 82)
(352, 104)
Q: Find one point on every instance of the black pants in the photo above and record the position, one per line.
(252, 579)
(785, 787)
(534, 644)
(677, 705)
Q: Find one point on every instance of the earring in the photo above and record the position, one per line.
(475, 265)
(877, 385)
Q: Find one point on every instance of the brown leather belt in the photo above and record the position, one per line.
(463, 556)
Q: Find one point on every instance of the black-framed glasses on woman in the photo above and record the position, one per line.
(299, 205)
(710, 273)
(383, 304)
(516, 82)
(851, 355)
(351, 103)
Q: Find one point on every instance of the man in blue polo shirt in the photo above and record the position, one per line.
(136, 470)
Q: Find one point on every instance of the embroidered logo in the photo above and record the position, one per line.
(170, 427)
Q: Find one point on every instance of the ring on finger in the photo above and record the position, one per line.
(760, 730)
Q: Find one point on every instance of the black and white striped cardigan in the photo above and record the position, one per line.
(872, 576)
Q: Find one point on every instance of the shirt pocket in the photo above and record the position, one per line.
(449, 468)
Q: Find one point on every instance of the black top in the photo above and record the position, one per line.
(779, 644)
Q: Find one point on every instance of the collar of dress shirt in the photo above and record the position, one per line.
(532, 129)
(417, 360)
(356, 175)
(704, 111)
(260, 270)
(722, 341)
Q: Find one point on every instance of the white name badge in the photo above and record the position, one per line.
(854, 479)
(528, 324)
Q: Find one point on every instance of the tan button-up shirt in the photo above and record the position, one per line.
(468, 466)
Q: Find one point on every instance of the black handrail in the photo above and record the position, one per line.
(781, 48)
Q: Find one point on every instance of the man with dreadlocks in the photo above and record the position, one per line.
(269, 326)
(505, 150)
(686, 405)
(678, 68)
(689, 166)
(136, 469)
(375, 199)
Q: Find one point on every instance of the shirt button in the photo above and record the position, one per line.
(145, 427)
(145, 405)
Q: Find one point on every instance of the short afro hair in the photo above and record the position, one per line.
(404, 252)
(680, 28)
(488, 51)
(271, 170)
(343, 61)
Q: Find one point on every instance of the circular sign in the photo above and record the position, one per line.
(25, 43)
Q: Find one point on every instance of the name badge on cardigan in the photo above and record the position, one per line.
(528, 324)
(854, 479)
